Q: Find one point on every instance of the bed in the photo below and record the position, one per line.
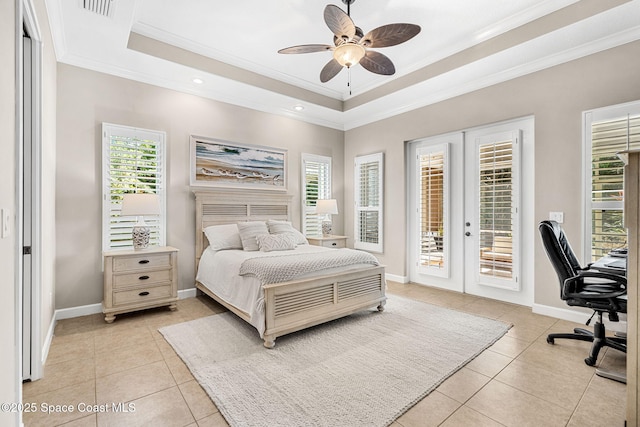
(287, 306)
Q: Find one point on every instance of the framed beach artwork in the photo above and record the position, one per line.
(220, 163)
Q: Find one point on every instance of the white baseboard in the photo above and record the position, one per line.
(48, 339)
(579, 317)
(396, 278)
(187, 293)
(85, 310)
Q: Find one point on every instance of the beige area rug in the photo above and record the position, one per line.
(363, 370)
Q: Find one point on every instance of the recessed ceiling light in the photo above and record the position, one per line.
(298, 107)
(198, 81)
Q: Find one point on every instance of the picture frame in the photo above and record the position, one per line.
(220, 163)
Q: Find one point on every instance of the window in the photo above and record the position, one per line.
(316, 184)
(368, 202)
(608, 131)
(433, 206)
(133, 161)
(497, 205)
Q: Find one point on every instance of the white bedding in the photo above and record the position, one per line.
(218, 271)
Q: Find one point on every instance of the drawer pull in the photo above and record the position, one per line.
(144, 294)
(143, 261)
(143, 277)
(334, 244)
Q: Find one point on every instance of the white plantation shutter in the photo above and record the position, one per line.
(497, 207)
(368, 202)
(609, 137)
(433, 208)
(133, 161)
(316, 184)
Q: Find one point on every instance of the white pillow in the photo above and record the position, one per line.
(276, 242)
(223, 237)
(281, 227)
(248, 233)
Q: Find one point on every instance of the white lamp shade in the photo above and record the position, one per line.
(140, 205)
(327, 207)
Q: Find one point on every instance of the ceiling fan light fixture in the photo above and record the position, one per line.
(348, 54)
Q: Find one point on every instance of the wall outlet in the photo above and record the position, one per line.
(5, 218)
(557, 217)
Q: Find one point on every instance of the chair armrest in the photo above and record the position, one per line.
(575, 282)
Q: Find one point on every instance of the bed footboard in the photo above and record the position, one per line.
(296, 305)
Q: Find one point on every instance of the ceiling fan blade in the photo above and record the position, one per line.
(306, 48)
(339, 22)
(330, 70)
(377, 63)
(390, 35)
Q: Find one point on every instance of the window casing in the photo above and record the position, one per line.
(133, 161)
(368, 179)
(608, 131)
(316, 185)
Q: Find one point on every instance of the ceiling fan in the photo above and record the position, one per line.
(352, 47)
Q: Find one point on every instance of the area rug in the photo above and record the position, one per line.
(363, 370)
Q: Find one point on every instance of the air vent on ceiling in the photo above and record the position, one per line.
(101, 7)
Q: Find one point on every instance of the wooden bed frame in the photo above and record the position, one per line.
(294, 305)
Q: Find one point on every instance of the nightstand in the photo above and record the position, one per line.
(329, 241)
(139, 279)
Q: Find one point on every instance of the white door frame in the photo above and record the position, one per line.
(26, 16)
(528, 229)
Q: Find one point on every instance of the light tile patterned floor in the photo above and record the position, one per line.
(519, 381)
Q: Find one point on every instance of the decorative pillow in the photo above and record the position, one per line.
(276, 242)
(282, 227)
(223, 237)
(248, 233)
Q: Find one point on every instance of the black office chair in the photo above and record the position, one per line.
(602, 292)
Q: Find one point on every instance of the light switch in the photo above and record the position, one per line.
(557, 217)
(5, 218)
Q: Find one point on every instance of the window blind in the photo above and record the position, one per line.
(316, 185)
(607, 175)
(368, 202)
(496, 200)
(133, 162)
(432, 208)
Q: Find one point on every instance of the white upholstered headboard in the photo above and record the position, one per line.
(226, 206)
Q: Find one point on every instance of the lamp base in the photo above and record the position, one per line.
(326, 228)
(140, 237)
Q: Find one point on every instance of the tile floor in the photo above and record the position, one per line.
(519, 381)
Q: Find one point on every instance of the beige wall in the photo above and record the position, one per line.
(556, 97)
(87, 98)
(9, 391)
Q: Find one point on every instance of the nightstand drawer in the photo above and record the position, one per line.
(135, 296)
(333, 243)
(141, 261)
(330, 241)
(141, 278)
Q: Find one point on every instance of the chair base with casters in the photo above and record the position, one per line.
(597, 337)
(601, 291)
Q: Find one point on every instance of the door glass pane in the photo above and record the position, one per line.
(432, 204)
(495, 209)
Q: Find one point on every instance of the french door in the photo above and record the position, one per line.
(465, 211)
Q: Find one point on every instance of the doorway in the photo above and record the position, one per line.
(28, 228)
(466, 211)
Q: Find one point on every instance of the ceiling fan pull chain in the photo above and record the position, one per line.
(349, 79)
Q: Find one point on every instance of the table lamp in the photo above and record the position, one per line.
(140, 205)
(327, 208)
